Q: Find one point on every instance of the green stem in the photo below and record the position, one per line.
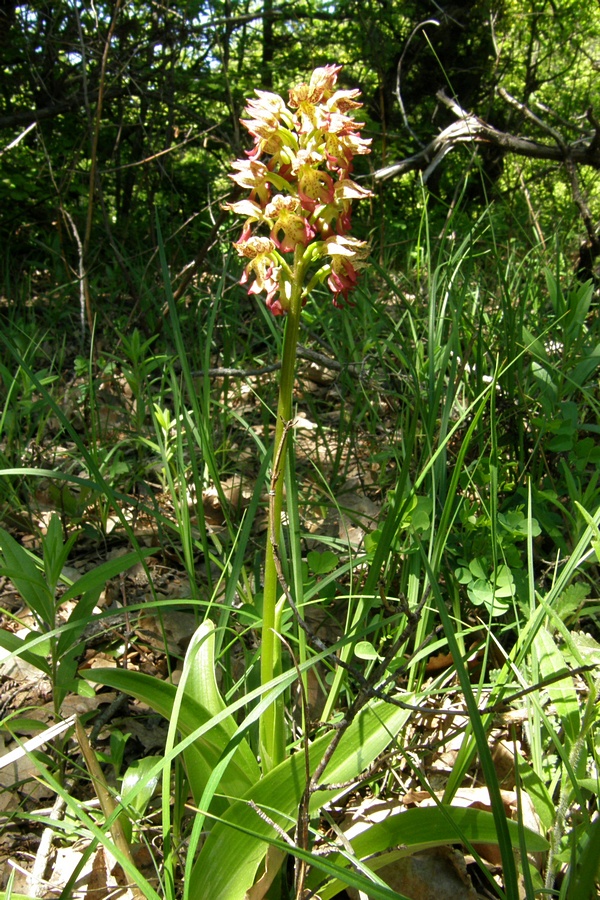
(272, 732)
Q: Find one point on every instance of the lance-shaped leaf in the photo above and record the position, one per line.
(228, 863)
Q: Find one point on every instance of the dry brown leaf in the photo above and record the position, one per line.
(438, 874)
(105, 879)
(273, 861)
(172, 627)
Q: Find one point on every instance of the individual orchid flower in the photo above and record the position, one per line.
(262, 265)
(268, 103)
(350, 247)
(314, 187)
(271, 125)
(347, 189)
(249, 208)
(295, 227)
(348, 256)
(343, 101)
(336, 216)
(252, 175)
(342, 146)
(310, 99)
(333, 219)
(321, 87)
(323, 81)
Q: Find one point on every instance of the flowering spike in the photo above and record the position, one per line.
(298, 175)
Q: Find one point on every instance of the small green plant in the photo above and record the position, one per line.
(492, 559)
(53, 645)
(24, 415)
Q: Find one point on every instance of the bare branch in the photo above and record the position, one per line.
(399, 74)
(283, 12)
(18, 139)
(29, 116)
(470, 129)
(512, 101)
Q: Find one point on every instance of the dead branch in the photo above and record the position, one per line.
(470, 129)
(32, 116)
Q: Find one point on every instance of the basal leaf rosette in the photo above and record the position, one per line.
(300, 190)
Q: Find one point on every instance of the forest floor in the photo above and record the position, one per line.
(144, 619)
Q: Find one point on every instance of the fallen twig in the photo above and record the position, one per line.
(36, 883)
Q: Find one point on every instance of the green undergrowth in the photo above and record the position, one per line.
(462, 399)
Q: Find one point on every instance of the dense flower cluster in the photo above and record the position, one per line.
(298, 175)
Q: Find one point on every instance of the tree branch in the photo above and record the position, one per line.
(29, 116)
(471, 129)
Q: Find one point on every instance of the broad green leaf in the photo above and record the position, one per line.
(504, 585)
(14, 644)
(463, 575)
(478, 568)
(571, 600)
(204, 754)
(593, 527)
(229, 860)
(199, 671)
(365, 650)
(541, 375)
(587, 647)
(413, 830)
(583, 879)
(78, 620)
(590, 784)
(65, 677)
(10, 895)
(27, 577)
(139, 772)
(583, 371)
(518, 524)
(55, 552)
(537, 792)
(371, 541)
(321, 563)
(533, 345)
(201, 687)
(562, 693)
(372, 886)
(578, 304)
(97, 578)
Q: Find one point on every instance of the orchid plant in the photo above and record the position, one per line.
(296, 236)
